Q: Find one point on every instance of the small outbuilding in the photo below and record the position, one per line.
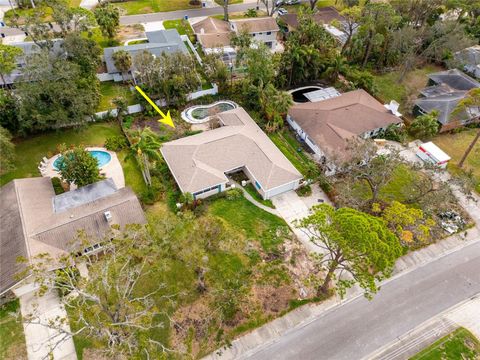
(429, 152)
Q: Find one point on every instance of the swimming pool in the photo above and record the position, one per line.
(103, 158)
(298, 95)
(202, 113)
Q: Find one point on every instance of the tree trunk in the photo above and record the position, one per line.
(3, 80)
(323, 289)
(33, 4)
(347, 42)
(469, 149)
(225, 10)
(367, 50)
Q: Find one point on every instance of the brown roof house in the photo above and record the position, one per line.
(214, 34)
(326, 126)
(201, 163)
(33, 220)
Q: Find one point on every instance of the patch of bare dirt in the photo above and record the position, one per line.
(128, 32)
(273, 300)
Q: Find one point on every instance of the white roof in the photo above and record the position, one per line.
(322, 94)
(435, 151)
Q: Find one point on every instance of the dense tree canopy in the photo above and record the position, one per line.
(54, 93)
(78, 166)
(8, 56)
(354, 244)
(7, 151)
(108, 18)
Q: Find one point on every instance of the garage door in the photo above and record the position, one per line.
(281, 189)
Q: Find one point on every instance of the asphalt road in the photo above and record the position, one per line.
(358, 328)
(179, 14)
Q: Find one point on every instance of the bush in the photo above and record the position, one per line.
(116, 143)
(394, 133)
(251, 13)
(57, 186)
(325, 185)
(304, 190)
(128, 121)
(234, 194)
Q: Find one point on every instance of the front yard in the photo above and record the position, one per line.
(12, 338)
(455, 145)
(460, 344)
(151, 6)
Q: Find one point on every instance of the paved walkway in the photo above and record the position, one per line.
(42, 341)
(253, 201)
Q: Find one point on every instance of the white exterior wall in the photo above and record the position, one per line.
(305, 137)
(281, 189)
(211, 192)
(264, 38)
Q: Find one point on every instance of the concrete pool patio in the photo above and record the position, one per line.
(113, 169)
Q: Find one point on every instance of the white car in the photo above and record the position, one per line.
(292, 2)
(282, 11)
(279, 2)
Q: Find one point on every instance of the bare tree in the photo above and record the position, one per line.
(117, 303)
(270, 6)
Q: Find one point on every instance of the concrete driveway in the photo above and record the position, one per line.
(292, 207)
(41, 339)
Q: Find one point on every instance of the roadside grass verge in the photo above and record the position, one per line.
(460, 344)
(151, 6)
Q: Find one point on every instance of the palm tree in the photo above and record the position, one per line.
(122, 61)
(144, 147)
(337, 66)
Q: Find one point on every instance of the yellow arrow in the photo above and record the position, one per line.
(166, 119)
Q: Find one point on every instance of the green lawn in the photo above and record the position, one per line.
(389, 88)
(12, 339)
(292, 150)
(96, 35)
(248, 218)
(256, 195)
(455, 146)
(133, 175)
(109, 90)
(29, 152)
(460, 344)
(150, 6)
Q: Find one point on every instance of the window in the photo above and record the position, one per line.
(260, 33)
(257, 184)
(269, 33)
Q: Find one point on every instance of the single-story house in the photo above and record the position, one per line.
(33, 220)
(327, 126)
(28, 48)
(214, 36)
(469, 58)
(262, 29)
(323, 16)
(201, 163)
(443, 92)
(159, 42)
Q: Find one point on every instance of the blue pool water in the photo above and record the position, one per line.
(103, 158)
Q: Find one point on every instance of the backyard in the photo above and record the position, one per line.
(460, 344)
(12, 340)
(109, 90)
(29, 152)
(389, 88)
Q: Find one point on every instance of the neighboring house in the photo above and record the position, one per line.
(445, 89)
(214, 36)
(201, 163)
(469, 58)
(33, 220)
(262, 29)
(323, 16)
(159, 42)
(29, 48)
(327, 126)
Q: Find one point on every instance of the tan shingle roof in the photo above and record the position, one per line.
(330, 123)
(212, 32)
(256, 25)
(30, 225)
(200, 161)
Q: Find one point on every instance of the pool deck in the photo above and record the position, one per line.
(111, 170)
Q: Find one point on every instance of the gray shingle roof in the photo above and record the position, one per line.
(159, 42)
(31, 226)
(450, 87)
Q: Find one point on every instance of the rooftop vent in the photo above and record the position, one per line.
(108, 216)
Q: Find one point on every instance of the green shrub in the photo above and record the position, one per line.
(57, 186)
(234, 194)
(394, 133)
(251, 13)
(128, 121)
(325, 185)
(116, 143)
(304, 190)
